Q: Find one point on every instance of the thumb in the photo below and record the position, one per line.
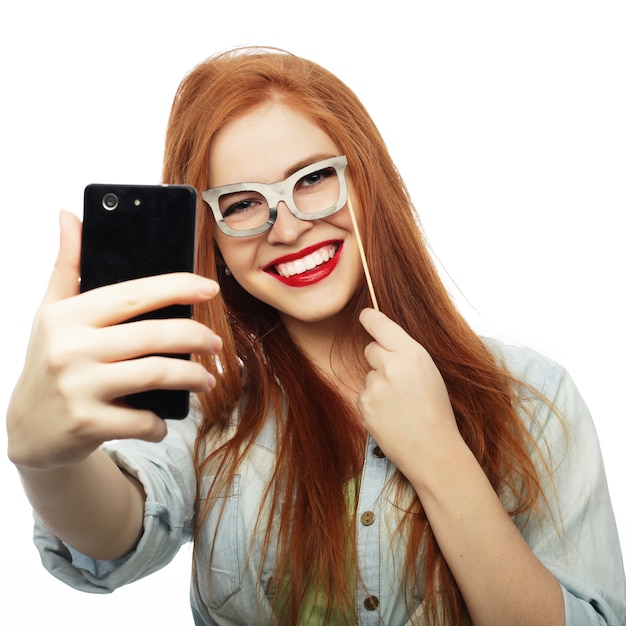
(65, 276)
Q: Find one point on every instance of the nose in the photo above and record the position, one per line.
(287, 228)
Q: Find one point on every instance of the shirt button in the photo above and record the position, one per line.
(378, 453)
(371, 603)
(367, 519)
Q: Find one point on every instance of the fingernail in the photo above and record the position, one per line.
(209, 287)
(216, 343)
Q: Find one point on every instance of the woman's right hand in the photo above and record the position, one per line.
(80, 359)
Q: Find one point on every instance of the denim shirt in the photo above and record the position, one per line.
(582, 550)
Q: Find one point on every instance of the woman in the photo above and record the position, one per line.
(344, 465)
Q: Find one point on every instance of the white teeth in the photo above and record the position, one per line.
(308, 262)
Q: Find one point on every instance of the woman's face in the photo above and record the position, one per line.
(265, 146)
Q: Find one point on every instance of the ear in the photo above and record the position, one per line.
(220, 265)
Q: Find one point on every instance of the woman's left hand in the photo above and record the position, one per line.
(406, 408)
(405, 404)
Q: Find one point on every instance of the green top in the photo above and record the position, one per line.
(316, 603)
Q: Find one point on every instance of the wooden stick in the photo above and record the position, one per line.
(366, 269)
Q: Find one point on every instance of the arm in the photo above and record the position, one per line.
(582, 548)
(405, 407)
(501, 580)
(79, 361)
(91, 505)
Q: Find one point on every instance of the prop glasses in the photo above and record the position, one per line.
(312, 193)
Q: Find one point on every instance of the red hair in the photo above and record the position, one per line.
(319, 436)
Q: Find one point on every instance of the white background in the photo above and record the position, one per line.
(506, 119)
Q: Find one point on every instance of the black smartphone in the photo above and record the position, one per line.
(134, 231)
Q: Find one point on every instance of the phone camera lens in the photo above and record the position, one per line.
(110, 201)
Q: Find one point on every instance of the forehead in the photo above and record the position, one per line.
(264, 144)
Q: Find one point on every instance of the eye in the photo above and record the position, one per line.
(237, 205)
(319, 177)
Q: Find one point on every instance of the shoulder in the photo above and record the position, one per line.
(538, 376)
(548, 400)
(527, 365)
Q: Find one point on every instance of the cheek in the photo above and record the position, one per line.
(342, 219)
(346, 220)
(238, 254)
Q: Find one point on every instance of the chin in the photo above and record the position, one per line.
(314, 314)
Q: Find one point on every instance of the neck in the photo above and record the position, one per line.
(322, 345)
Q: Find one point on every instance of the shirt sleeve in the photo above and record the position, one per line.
(167, 474)
(577, 538)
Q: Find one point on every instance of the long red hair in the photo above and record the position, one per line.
(319, 437)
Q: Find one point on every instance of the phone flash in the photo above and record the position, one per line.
(137, 202)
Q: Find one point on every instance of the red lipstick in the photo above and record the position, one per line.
(308, 277)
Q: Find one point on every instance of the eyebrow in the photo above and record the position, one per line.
(314, 158)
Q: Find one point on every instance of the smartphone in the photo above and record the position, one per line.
(134, 231)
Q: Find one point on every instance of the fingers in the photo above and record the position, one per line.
(384, 331)
(106, 422)
(81, 359)
(106, 364)
(170, 336)
(117, 380)
(120, 422)
(117, 303)
(64, 280)
(393, 352)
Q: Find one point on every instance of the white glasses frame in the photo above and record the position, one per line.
(280, 191)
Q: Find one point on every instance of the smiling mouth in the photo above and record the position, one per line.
(315, 259)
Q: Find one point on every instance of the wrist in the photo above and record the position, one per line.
(439, 465)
